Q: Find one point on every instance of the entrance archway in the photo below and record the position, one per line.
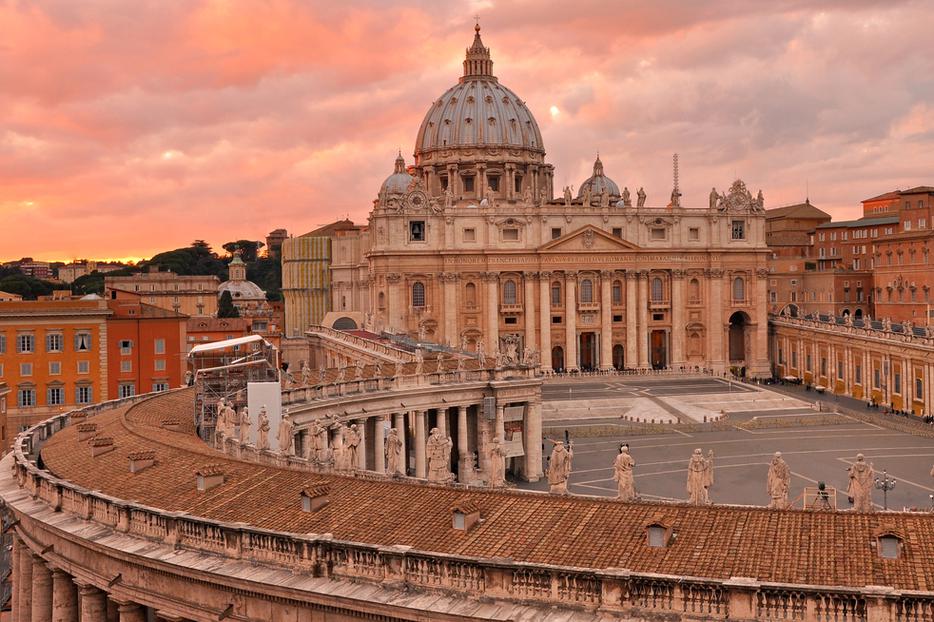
(659, 349)
(739, 324)
(858, 314)
(619, 360)
(588, 350)
(557, 358)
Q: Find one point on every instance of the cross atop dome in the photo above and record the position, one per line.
(478, 63)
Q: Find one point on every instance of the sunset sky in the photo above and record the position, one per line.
(133, 127)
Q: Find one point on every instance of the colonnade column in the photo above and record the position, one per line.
(396, 313)
(379, 446)
(606, 320)
(64, 597)
(463, 462)
(632, 352)
(529, 310)
(491, 330)
(642, 339)
(130, 612)
(449, 293)
(500, 423)
(93, 604)
(533, 441)
(570, 319)
(400, 430)
(677, 317)
(361, 448)
(15, 572)
(41, 591)
(25, 584)
(715, 324)
(420, 465)
(544, 317)
(760, 359)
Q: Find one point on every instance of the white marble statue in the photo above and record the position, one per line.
(438, 451)
(460, 363)
(306, 374)
(352, 445)
(481, 352)
(714, 198)
(778, 481)
(586, 196)
(342, 373)
(627, 198)
(359, 369)
(319, 438)
(567, 196)
(559, 467)
(700, 477)
(448, 198)
(395, 464)
(341, 452)
(378, 369)
(246, 426)
(419, 361)
(604, 197)
(322, 374)
(262, 432)
(640, 198)
(527, 195)
(490, 197)
(285, 436)
(440, 361)
(497, 460)
(622, 473)
(188, 378)
(859, 489)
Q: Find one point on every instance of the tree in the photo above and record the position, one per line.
(196, 259)
(15, 282)
(248, 249)
(225, 307)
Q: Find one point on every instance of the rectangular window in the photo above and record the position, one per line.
(823, 366)
(518, 184)
(2, 344)
(84, 367)
(510, 235)
(876, 378)
(160, 346)
(470, 235)
(618, 232)
(55, 396)
(159, 365)
(897, 383)
(83, 394)
(83, 342)
(25, 369)
(1, 373)
(807, 362)
(839, 370)
(693, 234)
(555, 233)
(417, 231)
(493, 182)
(160, 386)
(658, 233)
(858, 374)
(555, 319)
(127, 389)
(468, 184)
(922, 223)
(126, 347)
(26, 398)
(739, 230)
(919, 388)
(906, 225)
(54, 342)
(25, 343)
(773, 296)
(794, 359)
(55, 368)
(126, 366)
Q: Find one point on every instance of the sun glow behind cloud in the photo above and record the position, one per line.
(224, 120)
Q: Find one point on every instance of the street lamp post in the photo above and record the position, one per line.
(885, 485)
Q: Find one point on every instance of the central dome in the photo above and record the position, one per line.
(478, 111)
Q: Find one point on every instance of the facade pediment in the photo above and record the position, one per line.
(588, 238)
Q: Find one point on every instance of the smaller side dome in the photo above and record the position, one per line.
(597, 182)
(399, 181)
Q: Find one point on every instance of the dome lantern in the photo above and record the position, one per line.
(478, 63)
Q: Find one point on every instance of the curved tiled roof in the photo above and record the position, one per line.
(717, 542)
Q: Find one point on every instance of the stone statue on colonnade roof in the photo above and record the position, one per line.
(778, 482)
(497, 461)
(419, 361)
(246, 426)
(622, 473)
(352, 442)
(285, 436)
(319, 440)
(438, 449)
(395, 464)
(262, 432)
(700, 477)
(306, 374)
(859, 489)
(559, 467)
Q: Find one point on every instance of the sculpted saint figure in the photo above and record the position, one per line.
(395, 465)
(622, 473)
(497, 463)
(352, 442)
(527, 195)
(359, 366)
(419, 361)
(860, 486)
(481, 352)
(340, 451)
(306, 374)
(700, 477)
(778, 481)
(627, 199)
(567, 196)
(262, 432)
(188, 378)
(378, 369)
(490, 198)
(760, 201)
(640, 198)
(319, 437)
(246, 426)
(586, 195)
(322, 373)
(448, 198)
(542, 197)
(289, 379)
(285, 437)
(341, 374)
(559, 468)
(464, 343)
(438, 450)
(440, 360)
(714, 198)
(604, 198)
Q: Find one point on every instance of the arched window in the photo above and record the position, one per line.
(509, 292)
(586, 290)
(418, 294)
(470, 294)
(657, 290)
(617, 293)
(694, 291)
(739, 288)
(556, 294)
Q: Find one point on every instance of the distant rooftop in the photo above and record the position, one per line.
(862, 222)
(799, 210)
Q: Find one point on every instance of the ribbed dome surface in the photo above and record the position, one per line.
(241, 290)
(398, 182)
(597, 182)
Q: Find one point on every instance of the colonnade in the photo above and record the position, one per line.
(44, 592)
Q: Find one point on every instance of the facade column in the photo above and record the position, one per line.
(677, 318)
(491, 330)
(420, 465)
(544, 317)
(64, 597)
(760, 358)
(463, 462)
(93, 604)
(41, 591)
(449, 293)
(570, 319)
(379, 444)
(131, 612)
(480, 185)
(453, 184)
(642, 338)
(441, 420)
(361, 448)
(533, 441)
(529, 310)
(606, 320)
(25, 584)
(715, 324)
(632, 352)
(500, 424)
(395, 316)
(15, 574)
(400, 430)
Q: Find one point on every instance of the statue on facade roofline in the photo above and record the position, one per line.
(714, 199)
(559, 467)
(394, 460)
(567, 196)
(438, 450)
(246, 426)
(497, 461)
(352, 441)
(306, 374)
(285, 436)
(604, 197)
(626, 199)
(700, 477)
(622, 473)
(859, 490)
(640, 198)
(262, 432)
(586, 195)
(527, 194)
(419, 361)
(448, 198)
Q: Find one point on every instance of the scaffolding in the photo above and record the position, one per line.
(222, 370)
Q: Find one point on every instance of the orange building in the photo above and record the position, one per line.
(208, 329)
(146, 346)
(53, 357)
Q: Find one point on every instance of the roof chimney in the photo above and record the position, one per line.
(101, 445)
(86, 431)
(140, 460)
(209, 476)
(315, 496)
(465, 515)
(172, 424)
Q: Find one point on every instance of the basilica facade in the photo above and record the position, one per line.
(470, 247)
